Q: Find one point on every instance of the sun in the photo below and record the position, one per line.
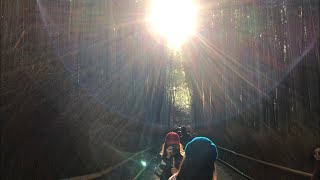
(174, 20)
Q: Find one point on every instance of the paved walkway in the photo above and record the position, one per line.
(131, 169)
(224, 172)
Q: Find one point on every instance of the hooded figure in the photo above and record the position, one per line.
(199, 161)
(170, 157)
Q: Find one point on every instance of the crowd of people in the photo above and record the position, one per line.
(184, 157)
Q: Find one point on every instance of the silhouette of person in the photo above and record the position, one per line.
(185, 136)
(316, 172)
(199, 161)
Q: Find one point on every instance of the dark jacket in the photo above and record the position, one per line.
(164, 165)
(185, 138)
(316, 172)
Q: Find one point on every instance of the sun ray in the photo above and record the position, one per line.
(173, 20)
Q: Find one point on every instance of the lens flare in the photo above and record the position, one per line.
(143, 163)
(174, 20)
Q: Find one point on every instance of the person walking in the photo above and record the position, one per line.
(199, 161)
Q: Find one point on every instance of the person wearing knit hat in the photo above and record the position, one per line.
(170, 157)
(199, 161)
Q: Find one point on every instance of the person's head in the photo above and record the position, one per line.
(183, 130)
(172, 138)
(172, 145)
(177, 130)
(199, 161)
(316, 153)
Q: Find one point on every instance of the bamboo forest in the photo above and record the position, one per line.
(90, 88)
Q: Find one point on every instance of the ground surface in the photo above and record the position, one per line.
(134, 171)
(224, 173)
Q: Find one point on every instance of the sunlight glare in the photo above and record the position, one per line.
(143, 163)
(175, 20)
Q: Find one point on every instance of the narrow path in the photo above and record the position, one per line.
(223, 173)
(226, 173)
(132, 169)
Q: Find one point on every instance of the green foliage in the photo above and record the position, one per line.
(178, 87)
